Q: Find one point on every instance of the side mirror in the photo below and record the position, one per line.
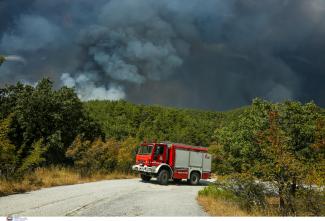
(155, 156)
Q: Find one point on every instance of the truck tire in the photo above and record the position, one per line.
(194, 178)
(145, 178)
(163, 177)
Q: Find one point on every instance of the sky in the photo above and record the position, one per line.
(211, 54)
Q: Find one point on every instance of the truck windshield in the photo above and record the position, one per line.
(144, 150)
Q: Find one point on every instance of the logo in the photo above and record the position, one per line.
(15, 218)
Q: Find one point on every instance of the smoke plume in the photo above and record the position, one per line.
(15, 58)
(210, 54)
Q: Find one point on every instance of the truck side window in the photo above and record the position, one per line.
(159, 150)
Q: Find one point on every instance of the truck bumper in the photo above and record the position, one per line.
(144, 169)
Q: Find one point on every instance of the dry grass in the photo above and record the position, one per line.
(219, 177)
(219, 207)
(9, 187)
(216, 207)
(54, 176)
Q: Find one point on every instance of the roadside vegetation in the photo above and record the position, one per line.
(273, 156)
(270, 156)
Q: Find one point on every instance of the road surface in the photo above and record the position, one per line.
(130, 197)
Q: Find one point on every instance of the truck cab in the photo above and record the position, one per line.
(149, 156)
(166, 161)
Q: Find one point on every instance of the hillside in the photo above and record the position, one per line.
(121, 119)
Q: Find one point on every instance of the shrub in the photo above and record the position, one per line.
(251, 193)
(96, 156)
(310, 201)
(35, 158)
(102, 156)
(217, 192)
(242, 191)
(126, 154)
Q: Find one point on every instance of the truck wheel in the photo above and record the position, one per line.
(145, 177)
(163, 177)
(194, 178)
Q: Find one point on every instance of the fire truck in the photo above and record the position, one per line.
(172, 161)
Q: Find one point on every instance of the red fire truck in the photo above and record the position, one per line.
(174, 161)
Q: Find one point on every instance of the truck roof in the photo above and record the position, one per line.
(182, 146)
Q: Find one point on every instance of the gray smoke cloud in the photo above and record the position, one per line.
(87, 90)
(31, 33)
(210, 54)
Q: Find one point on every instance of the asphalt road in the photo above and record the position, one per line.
(130, 197)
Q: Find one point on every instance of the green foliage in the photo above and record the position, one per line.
(282, 143)
(242, 191)
(8, 158)
(126, 154)
(102, 156)
(120, 119)
(38, 124)
(218, 192)
(243, 142)
(316, 173)
(251, 193)
(40, 112)
(35, 158)
(310, 201)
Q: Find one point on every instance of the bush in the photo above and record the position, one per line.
(244, 192)
(102, 156)
(310, 201)
(217, 192)
(251, 194)
(35, 158)
(96, 156)
(126, 154)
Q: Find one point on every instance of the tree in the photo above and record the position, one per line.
(40, 112)
(8, 158)
(280, 163)
(121, 119)
(317, 176)
(273, 142)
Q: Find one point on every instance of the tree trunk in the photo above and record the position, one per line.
(293, 188)
(292, 196)
(282, 203)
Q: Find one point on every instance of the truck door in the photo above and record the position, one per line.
(160, 153)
